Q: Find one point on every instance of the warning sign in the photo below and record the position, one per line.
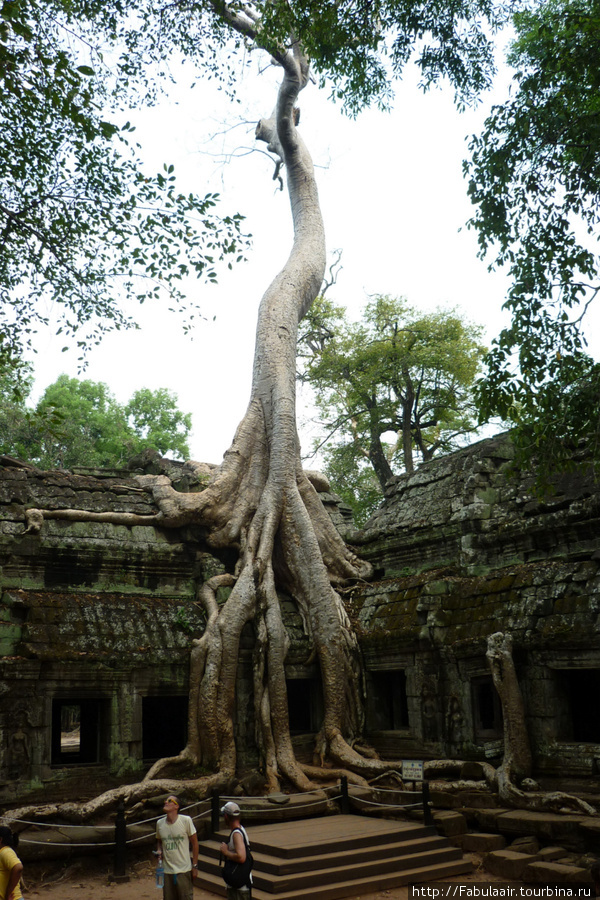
(412, 770)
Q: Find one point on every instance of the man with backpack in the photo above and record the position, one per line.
(238, 858)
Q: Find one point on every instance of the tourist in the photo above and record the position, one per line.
(236, 852)
(10, 865)
(175, 837)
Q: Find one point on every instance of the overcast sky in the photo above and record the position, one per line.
(394, 202)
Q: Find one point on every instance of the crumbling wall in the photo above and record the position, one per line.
(96, 621)
(463, 548)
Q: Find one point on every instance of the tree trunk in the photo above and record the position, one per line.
(261, 501)
(517, 753)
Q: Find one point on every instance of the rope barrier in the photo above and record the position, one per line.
(268, 811)
(392, 790)
(322, 790)
(54, 825)
(388, 805)
(144, 837)
(64, 844)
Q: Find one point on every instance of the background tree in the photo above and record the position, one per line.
(394, 386)
(535, 179)
(158, 423)
(20, 424)
(80, 423)
(259, 502)
(83, 228)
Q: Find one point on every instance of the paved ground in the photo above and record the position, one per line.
(89, 881)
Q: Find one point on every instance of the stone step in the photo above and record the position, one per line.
(276, 864)
(336, 856)
(339, 868)
(350, 887)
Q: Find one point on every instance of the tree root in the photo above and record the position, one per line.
(79, 813)
(323, 774)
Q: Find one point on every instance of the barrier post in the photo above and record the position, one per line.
(120, 863)
(214, 811)
(344, 802)
(427, 814)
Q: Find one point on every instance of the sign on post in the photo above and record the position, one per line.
(412, 770)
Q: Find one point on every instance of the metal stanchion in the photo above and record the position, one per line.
(427, 814)
(214, 811)
(120, 863)
(344, 801)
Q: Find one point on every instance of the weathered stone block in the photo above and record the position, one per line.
(450, 823)
(554, 873)
(551, 854)
(482, 843)
(558, 829)
(527, 844)
(477, 799)
(507, 863)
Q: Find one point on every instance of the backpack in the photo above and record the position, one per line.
(237, 875)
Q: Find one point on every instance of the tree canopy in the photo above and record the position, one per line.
(80, 423)
(534, 177)
(85, 229)
(394, 386)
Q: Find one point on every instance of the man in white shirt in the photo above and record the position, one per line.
(175, 837)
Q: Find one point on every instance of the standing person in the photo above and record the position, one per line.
(10, 865)
(175, 837)
(236, 850)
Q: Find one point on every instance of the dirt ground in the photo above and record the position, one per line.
(88, 880)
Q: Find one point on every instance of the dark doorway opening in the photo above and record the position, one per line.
(164, 726)
(76, 731)
(388, 703)
(583, 699)
(487, 710)
(304, 706)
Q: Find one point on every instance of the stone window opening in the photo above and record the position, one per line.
(579, 700)
(487, 710)
(77, 731)
(304, 705)
(164, 726)
(387, 705)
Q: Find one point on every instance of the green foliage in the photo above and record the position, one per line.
(84, 228)
(80, 423)
(362, 46)
(535, 179)
(393, 386)
(158, 423)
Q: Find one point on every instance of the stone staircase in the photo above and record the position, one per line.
(336, 856)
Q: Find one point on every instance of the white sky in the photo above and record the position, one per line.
(393, 200)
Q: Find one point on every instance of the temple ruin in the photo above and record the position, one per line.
(97, 621)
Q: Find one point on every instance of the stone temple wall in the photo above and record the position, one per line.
(97, 621)
(464, 548)
(96, 627)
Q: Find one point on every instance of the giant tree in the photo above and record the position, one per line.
(534, 177)
(260, 502)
